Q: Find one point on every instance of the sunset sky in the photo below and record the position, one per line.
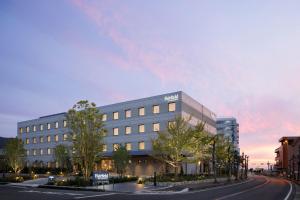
(239, 58)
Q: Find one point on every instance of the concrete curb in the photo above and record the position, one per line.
(71, 188)
(24, 185)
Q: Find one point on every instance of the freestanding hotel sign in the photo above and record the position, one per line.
(171, 97)
(100, 177)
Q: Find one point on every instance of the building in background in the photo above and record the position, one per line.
(229, 127)
(132, 123)
(287, 160)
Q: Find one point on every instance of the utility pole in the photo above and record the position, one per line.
(242, 169)
(229, 162)
(214, 159)
(246, 166)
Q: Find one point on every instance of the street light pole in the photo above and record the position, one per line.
(214, 159)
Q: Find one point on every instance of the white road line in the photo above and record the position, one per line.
(290, 191)
(98, 195)
(243, 191)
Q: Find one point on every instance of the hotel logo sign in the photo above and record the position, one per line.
(171, 97)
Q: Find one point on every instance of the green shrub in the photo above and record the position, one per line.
(122, 179)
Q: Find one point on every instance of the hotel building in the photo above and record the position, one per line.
(229, 127)
(133, 124)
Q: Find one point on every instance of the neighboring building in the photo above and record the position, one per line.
(132, 123)
(229, 127)
(288, 157)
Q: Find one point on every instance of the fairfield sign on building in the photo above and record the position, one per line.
(171, 97)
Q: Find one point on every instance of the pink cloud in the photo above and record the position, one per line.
(163, 61)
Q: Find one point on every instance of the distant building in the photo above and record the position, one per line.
(132, 124)
(288, 157)
(229, 127)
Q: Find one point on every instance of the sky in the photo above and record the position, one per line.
(238, 58)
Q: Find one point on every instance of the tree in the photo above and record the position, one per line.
(200, 143)
(15, 154)
(121, 159)
(171, 146)
(61, 154)
(223, 153)
(85, 122)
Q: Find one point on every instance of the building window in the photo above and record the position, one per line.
(155, 109)
(104, 147)
(34, 140)
(34, 128)
(116, 131)
(116, 115)
(155, 127)
(41, 139)
(34, 152)
(41, 127)
(104, 117)
(141, 111)
(65, 123)
(27, 129)
(27, 140)
(48, 164)
(128, 146)
(56, 124)
(116, 146)
(141, 145)
(65, 136)
(27, 152)
(172, 107)
(48, 151)
(20, 130)
(171, 123)
(48, 138)
(127, 130)
(141, 128)
(127, 113)
(56, 138)
(41, 152)
(48, 126)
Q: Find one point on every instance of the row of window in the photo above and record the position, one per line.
(141, 129)
(41, 127)
(41, 152)
(41, 139)
(128, 146)
(141, 111)
(49, 151)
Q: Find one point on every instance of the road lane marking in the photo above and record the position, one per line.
(98, 195)
(290, 191)
(223, 186)
(186, 190)
(243, 191)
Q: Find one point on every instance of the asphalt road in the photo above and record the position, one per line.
(256, 188)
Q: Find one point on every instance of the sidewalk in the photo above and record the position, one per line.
(297, 194)
(202, 185)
